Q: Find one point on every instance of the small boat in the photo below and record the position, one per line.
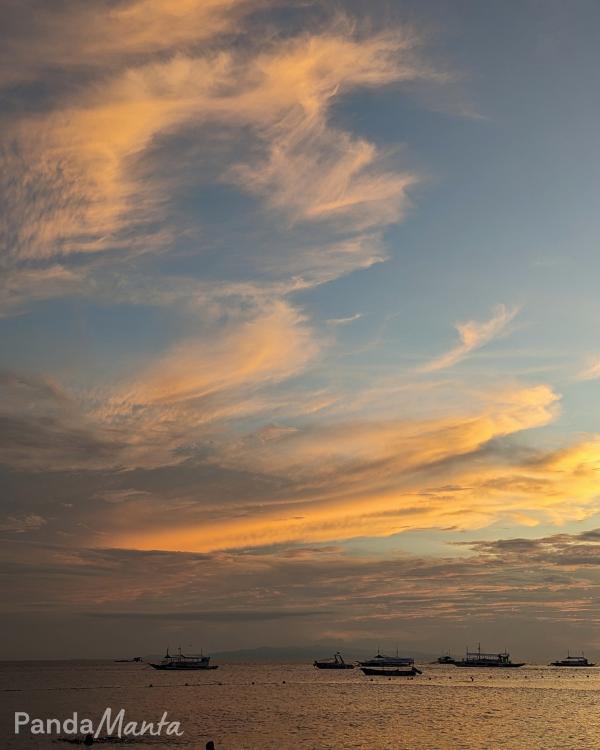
(479, 659)
(337, 662)
(572, 661)
(180, 661)
(136, 659)
(389, 666)
(445, 659)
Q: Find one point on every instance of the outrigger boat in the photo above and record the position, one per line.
(337, 662)
(572, 661)
(180, 661)
(479, 659)
(389, 666)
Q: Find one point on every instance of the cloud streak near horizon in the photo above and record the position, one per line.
(547, 585)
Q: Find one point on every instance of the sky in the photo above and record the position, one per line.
(298, 322)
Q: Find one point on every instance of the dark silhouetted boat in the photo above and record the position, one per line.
(180, 661)
(136, 659)
(337, 662)
(572, 661)
(389, 666)
(445, 659)
(479, 659)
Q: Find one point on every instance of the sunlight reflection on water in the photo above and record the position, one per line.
(295, 707)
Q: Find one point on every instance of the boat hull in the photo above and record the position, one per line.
(574, 666)
(382, 672)
(183, 667)
(489, 666)
(325, 665)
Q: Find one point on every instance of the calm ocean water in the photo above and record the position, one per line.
(295, 707)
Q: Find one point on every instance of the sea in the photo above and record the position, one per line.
(297, 707)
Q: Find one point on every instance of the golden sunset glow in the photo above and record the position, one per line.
(295, 291)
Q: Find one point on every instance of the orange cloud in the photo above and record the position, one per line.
(91, 35)
(382, 478)
(268, 348)
(91, 191)
(314, 170)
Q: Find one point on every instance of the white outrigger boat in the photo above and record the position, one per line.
(572, 661)
(389, 666)
(181, 661)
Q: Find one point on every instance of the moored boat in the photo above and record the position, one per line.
(135, 659)
(181, 661)
(445, 659)
(381, 660)
(572, 661)
(389, 666)
(480, 659)
(337, 662)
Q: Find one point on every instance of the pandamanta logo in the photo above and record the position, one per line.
(117, 726)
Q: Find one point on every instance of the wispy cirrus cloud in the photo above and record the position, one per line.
(272, 346)
(85, 186)
(344, 321)
(473, 335)
(315, 170)
(221, 373)
(83, 37)
(591, 371)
